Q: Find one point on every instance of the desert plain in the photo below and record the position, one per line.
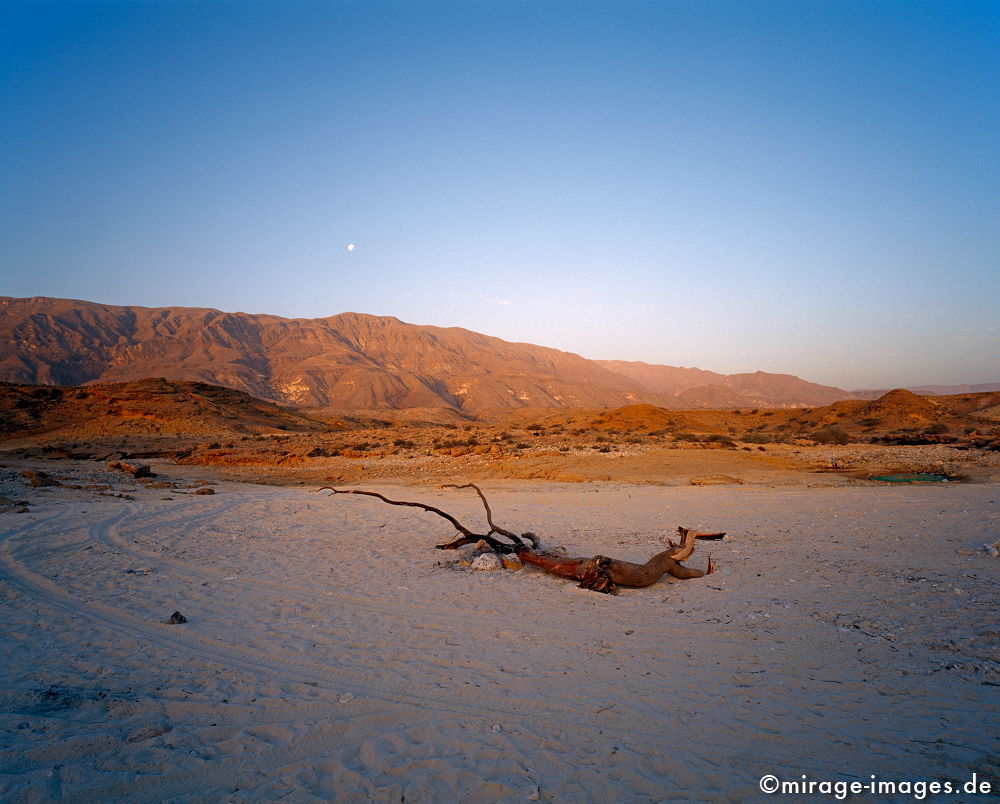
(328, 651)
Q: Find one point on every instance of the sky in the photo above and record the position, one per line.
(792, 186)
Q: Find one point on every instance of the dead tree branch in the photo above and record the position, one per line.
(467, 537)
(600, 573)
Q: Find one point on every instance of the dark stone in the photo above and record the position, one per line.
(176, 618)
(39, 479)
(135, 469)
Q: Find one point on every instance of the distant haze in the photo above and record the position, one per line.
(799, 188)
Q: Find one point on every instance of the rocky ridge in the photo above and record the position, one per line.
(351, 361)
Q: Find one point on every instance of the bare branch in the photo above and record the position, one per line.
(494, 527)
(600, 573)
(679, 552)
(429, 508)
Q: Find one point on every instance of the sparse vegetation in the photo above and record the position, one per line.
(830, 435)
(721, 440)
(641, 433)
(762, 437)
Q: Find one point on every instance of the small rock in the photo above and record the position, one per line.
(204, 490)
(176, 619)
(39, 479)
(483, 547)
(148, 733)
(487, 562)
(991, 550)
(511, 562)
(7, 505)
(346, 697)
(716, 480)
(535, 794)
(135, 469)
(497, 727)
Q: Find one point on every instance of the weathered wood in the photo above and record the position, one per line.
(599, 573)
(605, 574)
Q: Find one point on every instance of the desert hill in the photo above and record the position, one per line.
(931, 390)
(898, 415)
(902, 411)
(695, 388)
(146, 407)
(198, 424)
(351, 361)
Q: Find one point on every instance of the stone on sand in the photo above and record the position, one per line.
(487, 562)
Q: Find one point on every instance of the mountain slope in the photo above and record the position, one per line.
(351, 361)
(696, 388)
(666, 380)
(347, 361)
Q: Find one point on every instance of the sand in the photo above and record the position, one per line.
(328, 655)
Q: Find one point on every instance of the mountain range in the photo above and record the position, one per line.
(931, 390)
(353, 361)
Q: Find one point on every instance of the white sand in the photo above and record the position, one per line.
(328, 656)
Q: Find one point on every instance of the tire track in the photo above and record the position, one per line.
(553, 715)
(472, 704)
(653, 729)
(111, 537)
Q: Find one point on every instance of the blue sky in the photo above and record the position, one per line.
(801, 187)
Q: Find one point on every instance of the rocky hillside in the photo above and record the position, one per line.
(898, 417)
(931, 390)
(350, 361)
(146, 407)
(902, 411)
(695, 388)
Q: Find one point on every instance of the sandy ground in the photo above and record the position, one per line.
(331, 653)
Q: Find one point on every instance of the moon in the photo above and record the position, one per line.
(350, 246)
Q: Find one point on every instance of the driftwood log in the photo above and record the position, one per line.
(599, 573)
